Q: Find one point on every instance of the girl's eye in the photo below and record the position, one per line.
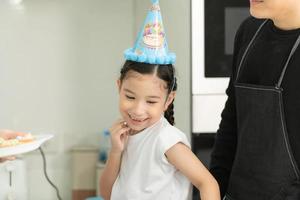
(129, 97)
(151, 102)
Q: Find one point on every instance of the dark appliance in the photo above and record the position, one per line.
(222, 19)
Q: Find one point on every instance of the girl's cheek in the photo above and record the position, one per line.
(125, 104)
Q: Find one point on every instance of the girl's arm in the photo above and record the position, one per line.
(119, 136)
(189, 165)
(109, 174)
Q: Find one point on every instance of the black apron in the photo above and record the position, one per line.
(264, 167)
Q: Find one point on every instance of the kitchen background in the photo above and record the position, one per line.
(59, 61)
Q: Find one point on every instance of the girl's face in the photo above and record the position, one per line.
(143, 99)
(274, 9)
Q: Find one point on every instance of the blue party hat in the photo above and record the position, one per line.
(151, 45)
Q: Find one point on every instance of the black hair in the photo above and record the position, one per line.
(164, 72)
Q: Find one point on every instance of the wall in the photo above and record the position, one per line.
(59, 60)
(58, 65)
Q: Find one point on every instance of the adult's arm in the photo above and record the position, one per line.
(225, 144)
(224, 150)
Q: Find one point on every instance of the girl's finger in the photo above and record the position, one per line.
(120, 128)
(117, 125)
(123, 131)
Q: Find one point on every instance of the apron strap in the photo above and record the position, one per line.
(278, 85)
(248, 47)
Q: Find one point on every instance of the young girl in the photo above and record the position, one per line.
(150, 158)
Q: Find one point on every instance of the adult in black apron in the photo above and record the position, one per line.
(264, 167)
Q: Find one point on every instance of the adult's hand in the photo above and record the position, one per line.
(10, 134)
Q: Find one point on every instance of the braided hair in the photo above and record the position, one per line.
(164, 72)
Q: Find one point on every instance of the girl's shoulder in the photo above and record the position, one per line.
(167, 128)
(170, 135)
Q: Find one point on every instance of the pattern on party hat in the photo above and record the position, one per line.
(151, 44)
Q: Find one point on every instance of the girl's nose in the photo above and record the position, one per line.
(139, 109)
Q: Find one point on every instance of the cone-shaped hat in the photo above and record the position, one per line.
(151, 44)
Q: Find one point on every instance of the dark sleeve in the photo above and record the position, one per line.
(224, 149)
(226, 139)
(225, 144)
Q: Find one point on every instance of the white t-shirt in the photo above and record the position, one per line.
(145, 172)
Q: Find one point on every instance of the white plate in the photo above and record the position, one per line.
(24, 148)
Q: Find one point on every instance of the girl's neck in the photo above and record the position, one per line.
(134, 132)
(289, 20)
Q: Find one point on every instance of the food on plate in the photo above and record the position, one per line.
(26, 138)
(18, 140)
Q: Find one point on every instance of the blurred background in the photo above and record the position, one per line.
(59, 62)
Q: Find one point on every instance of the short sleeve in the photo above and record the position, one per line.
(168, 138)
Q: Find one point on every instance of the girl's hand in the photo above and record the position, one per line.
(119, 136)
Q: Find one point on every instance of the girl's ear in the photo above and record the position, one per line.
(170, 99)
(119, 85)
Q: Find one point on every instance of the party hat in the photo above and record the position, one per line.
(151, 45)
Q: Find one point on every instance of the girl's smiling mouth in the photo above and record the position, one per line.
(137, 120)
